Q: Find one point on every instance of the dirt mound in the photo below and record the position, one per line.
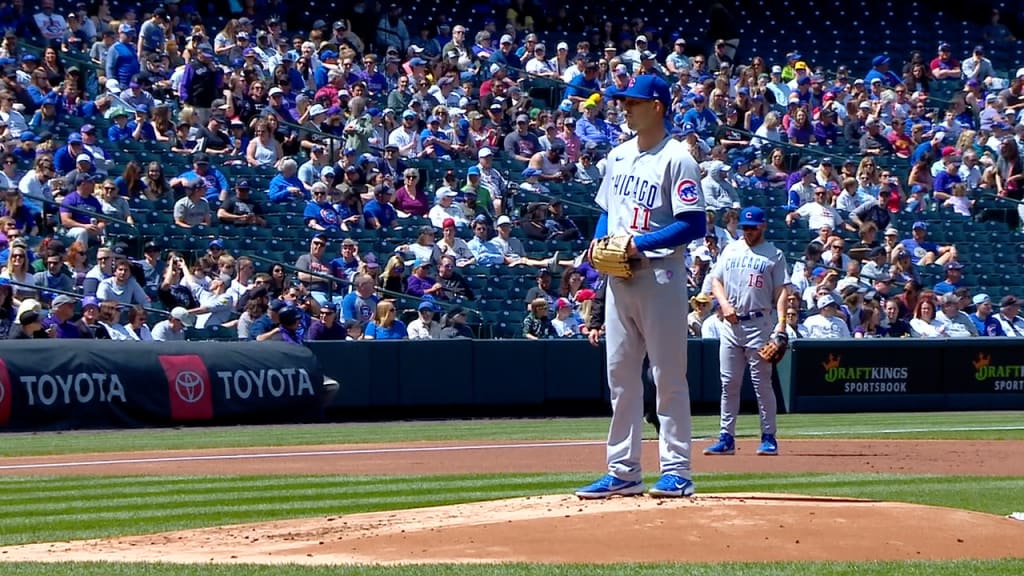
(563, 529)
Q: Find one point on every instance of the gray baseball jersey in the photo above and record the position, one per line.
(644, 191)
(751, 275)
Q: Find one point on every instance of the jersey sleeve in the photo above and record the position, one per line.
(687, 195)
(604, 191)
(779, 278)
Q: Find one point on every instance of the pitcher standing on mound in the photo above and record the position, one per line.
(650, 192)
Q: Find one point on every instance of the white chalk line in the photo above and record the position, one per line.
(256, 455)
(456, 448)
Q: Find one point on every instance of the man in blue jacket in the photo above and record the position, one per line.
(122, 61)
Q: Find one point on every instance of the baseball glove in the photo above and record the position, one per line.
(775, 348)
(609, 255)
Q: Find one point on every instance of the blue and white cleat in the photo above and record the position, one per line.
(725, 446)
(769, 446)
(608, 486)
(672, 486)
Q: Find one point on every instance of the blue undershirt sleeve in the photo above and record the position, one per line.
(601, 228)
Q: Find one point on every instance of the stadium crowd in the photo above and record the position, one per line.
(342, 119)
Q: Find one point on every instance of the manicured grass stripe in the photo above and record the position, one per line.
(956, 568)
(68, 513)
(885, 425)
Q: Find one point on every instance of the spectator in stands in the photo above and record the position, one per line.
(201, 83)
(113, 204)
(826, 323)
(451, 244)
(193, 210)
(241, 209)
(264, 149)
(424, 327)
(361, 303)
(379, 213)
(122, 59)
(310, 269)
(78, 213)
(873, 142)
(447, 209)
(565, 323)
(54, 277)
(522, 144)
(346, 266)
(718, 191)
(319, 213)
(103, 269)
(924, 252)
(944, 66)
(453, 285)
(410, 198)
(173, 328)
(424, 249)
(986, 322)
(1011, 323)
(954, 278)
(868, 321)
(392, 279)
(924, 323)
(893, 325)
(136, 328)
(385, 324)
(59, 324)
(537, 325)
(211, 178)
(286, 186)
(956, 324)
(326, 327)
(89, 325)
(455, 325)
(122, 286)
(420, 283)
(978, 67)
(817, 213)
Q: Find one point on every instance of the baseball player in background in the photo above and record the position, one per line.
(650, 192)
(749, 281)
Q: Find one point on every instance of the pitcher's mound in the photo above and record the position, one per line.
(562, 529)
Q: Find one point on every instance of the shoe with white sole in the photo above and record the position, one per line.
(725, 446)
(672, 486)
(608, 486)
(769, 446)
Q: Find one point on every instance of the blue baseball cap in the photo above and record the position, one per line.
(752, 216)
(473, 171)
(647, 87)
(689, 128)
(527, 173)
(880, 60)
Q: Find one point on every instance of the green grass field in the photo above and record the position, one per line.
(928, 425)
(48, 508)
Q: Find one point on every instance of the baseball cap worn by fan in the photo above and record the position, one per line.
(181, 314)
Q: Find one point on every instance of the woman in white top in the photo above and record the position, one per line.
(110, 318)
(767, 132)
(924, 324)
(452, 245)
(18, 270)
(136, 327)
(263, 150)
(113, 204)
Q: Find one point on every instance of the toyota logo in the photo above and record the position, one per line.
(189, 386)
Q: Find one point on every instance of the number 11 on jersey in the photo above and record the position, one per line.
(641, 219)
